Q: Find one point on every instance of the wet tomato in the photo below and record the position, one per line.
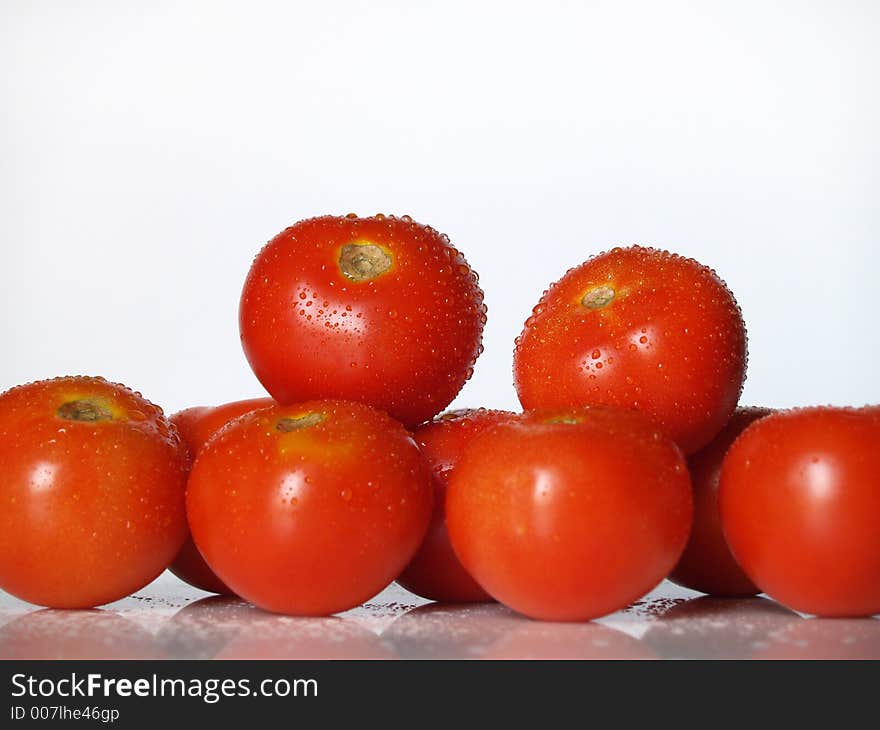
(435, 572)
(195, 426)
(309, 509)
(570, 515)
(707, 564)
(637, 328)
(800, 498)
(92, 495)
(379, 310)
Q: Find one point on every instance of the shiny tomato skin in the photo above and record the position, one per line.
(401, 332)
(570, 515)
(92, 495)
(435, 572)
(309, 509)
(195, 426)
(707, 564)
(800, 498)
(637, 328)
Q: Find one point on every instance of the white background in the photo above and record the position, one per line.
(148, 150)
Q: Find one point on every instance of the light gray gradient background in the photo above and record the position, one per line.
(148, 150)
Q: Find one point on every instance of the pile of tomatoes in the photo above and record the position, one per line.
(631, 462)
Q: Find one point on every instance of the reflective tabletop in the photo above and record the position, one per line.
(171, 620)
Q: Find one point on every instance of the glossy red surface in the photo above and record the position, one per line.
(800, 499)
(570, 515)
(397, 324)
(436, 572)
(642, 329)
(195, 426)
(309, 509)
(92, 494)
(707, 564)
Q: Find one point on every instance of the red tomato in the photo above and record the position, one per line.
(195, 426)
(706, 564)
(637, 328)
(309, 509)
(92, 495)
(570, 515)
(800, 507)
(435, 572)
(379, 310)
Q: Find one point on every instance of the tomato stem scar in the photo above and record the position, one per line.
(598, 297)
(84, 410)
(298, 423)
(364, 261)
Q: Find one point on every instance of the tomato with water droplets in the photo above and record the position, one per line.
(195, 426)
(707, 564)
(800, 508)
(435, 572)
(569, 515)
(309, 509)
(92, 494)
(381, 310)
(641, 329)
